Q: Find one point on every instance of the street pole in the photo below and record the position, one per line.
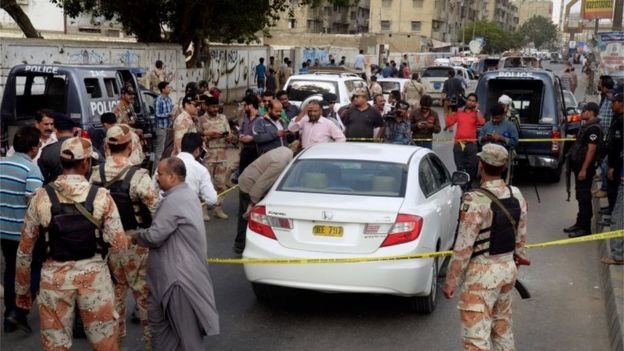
(618, 9)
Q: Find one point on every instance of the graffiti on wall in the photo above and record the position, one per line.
(313, 54)
(85, 57)
(128, 58)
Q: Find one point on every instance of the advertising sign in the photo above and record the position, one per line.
(594, 9)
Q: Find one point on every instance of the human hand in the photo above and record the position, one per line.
(610, 173)
(281, 133)
(448, 291)
(24, 301)
(582, 174)
(246, 138)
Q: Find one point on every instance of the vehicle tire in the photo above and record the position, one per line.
(554, 175)
(263, 292)
(426, 304)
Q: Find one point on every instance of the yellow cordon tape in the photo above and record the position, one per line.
(593, 237)
(227, 191)
(449, 140)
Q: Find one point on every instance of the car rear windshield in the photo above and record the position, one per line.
(349, 177)
(387, 87)
(528, 99)
(435, 72)
(301, 89)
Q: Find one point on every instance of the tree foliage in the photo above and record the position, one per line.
(23, 22)
(496, 38)
(539, 30)
(186, 21)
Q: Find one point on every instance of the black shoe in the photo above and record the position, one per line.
(605, 222)
(20, 323)
(571, 229)
(604, 211)
(238, 249)
(578, 233)
(9, 327)
(135, 318)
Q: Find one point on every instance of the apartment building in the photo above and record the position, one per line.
(504, 12)
(530, 8)
(326, 18)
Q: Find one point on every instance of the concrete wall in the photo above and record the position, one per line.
(230, 68)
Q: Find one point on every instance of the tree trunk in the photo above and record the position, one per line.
(15, 11)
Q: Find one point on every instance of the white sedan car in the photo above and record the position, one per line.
(342, 200)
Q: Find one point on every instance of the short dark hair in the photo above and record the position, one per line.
(607, 82)
(252, 100)
(202, 84)
(162, 85)
(70, 164)
(191, 88)
(473, 94)
(268, 93)
(361, 51)
(176, 166)
(451, 72)
(492, 170)
(191, 142)
(117, 148)
(426, 101)
(26, 138)
(109, 118)
(497, 110)
(261, 59)
(280, 93)
(396, 94)
(159, 64)
(46, 112)
(377, 96)
(415, 76)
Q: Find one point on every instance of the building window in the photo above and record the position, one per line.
(385, 25)
(418, 3)
(386, 3)
(415, 26)
(353, 15)
(436, 26)
(292, 23)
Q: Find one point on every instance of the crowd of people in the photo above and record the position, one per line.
(83, 223)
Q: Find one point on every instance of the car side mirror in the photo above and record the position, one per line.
(460, 178)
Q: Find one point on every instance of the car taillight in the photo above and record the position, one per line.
(406, 228)
(575, 117)
(85, 134)
(259, 222)
(555, 149)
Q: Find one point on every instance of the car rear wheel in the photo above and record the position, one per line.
(426, 304)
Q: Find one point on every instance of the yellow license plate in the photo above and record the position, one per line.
(327, 230)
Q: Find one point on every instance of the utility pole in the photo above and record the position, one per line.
(618, 9)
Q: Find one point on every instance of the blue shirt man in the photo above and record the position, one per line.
(20, 177)
(498, 130)
(164, 106)
(261, 75)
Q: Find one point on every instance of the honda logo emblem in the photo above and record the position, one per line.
(327, 215)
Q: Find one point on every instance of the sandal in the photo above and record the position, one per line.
(611, 260)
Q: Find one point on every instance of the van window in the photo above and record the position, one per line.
(92, 85)
(527, 97)
(35, 92)
(435, 72)
(110, 84)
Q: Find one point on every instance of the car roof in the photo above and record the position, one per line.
(326, 76)
(362, 151)
(538, 72)
(73, 67)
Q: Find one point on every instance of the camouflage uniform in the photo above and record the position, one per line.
(125, 113)
(137, 156)
(129, 267)
(87, 281)
(215, 159)
(182, 124)
(488, 281)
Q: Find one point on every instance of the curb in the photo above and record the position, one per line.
(612, 283)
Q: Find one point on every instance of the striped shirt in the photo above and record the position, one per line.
(19, 178)
(164, 106)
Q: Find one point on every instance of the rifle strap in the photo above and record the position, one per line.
(500, 205)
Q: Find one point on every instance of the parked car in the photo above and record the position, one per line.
(390, 84)
(338, 200)
(84, 93)
(486, 64)
(433, 79)
(302, 86)
(539, 99)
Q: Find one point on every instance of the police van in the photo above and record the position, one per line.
(83, 93)
(538, 97)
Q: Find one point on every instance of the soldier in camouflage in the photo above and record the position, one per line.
(124, 110)
(129, 267)
(75, 271)
(491, 239)
(184, 122)
(216, 131)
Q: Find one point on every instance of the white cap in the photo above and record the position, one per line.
(504, 99)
